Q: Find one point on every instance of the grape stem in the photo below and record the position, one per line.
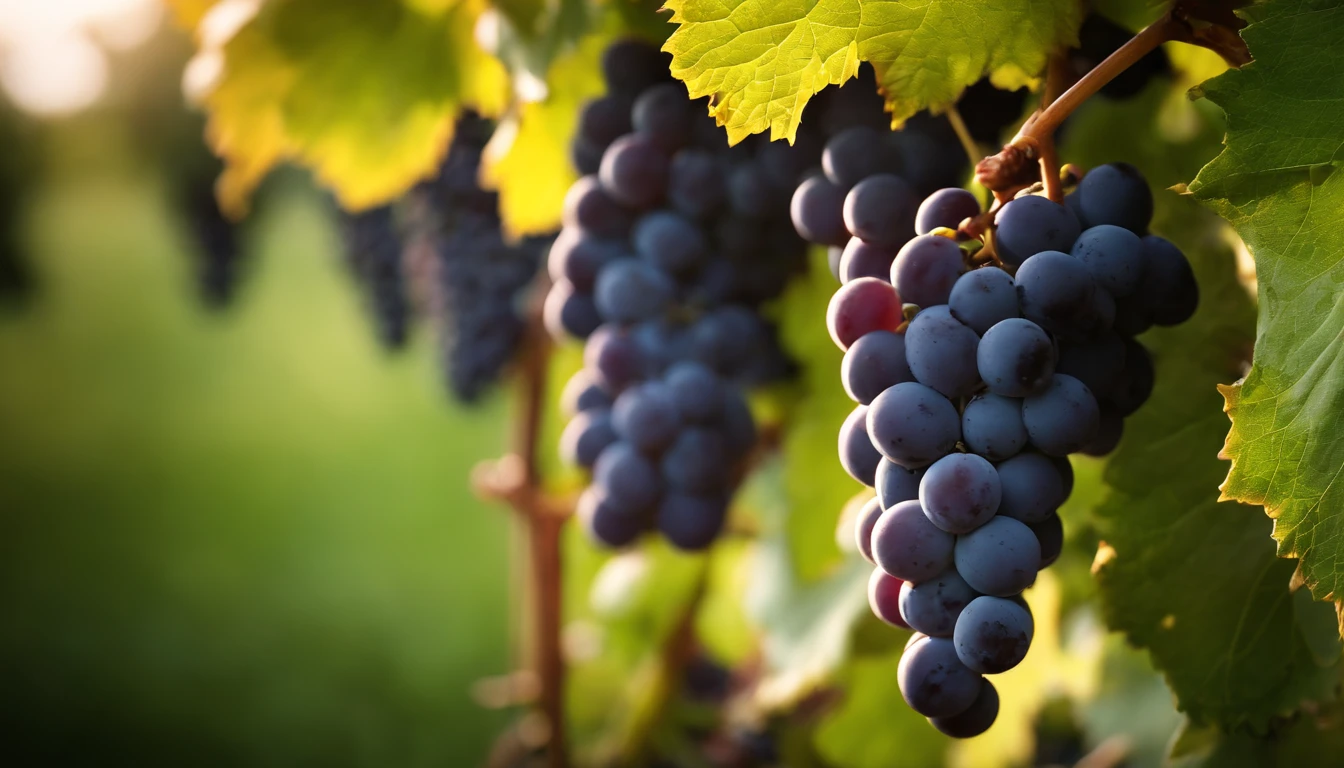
(968, 142)
(1055, 80)
(515, 479)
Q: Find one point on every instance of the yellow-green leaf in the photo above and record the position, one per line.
(363, 92)
(761, 60)
(1278, 182)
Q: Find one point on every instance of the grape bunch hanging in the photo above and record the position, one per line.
(671, 242)
(976, 375)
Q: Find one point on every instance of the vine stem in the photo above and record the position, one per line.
(968, 142)
(516, 480)
(1043, 125)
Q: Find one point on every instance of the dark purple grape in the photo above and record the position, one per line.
(670, 242)
(999, 558)
(626, 478)
(880, 210)
(1135, 383)
(739, 428)
(614, 358)
(634, 171)
(933, 680)
(908, 546)
(991, 426)
(1115, 194)
(603, 120)
(860, 259)
(857, 454)
(1168, 286)
(691, 523)
(982, 297)
(817, 210)
(856, 153)
(664, 113)
(942, 353)
(959, 493)
(1032, 488)
(586, 436)
(581, 393)
(1050, 534)
(913, 425)
(695, 184)
(863, 527)
(976, 719)
(608, 524)
(1057, 292)
(993, 634)
(1098, 362)
(750, 193)
(1016, 358)
(578, 257)
(1031, 224)
(696, 462)
(896, 483)
(630, 66)
(932, 606)
(926, 269)
(1113, 255)
(567, 312)
(945, 208)
(646, 416)
(872, 364)
(697, 390)
(629, 290)
(1063, 418)
(1109, 431)
(589, 208)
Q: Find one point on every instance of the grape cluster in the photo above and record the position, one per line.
(671, 242)
(975, 380)
(373, 254)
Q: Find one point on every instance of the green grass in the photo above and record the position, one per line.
(233, 539)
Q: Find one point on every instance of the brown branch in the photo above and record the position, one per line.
(515, 479)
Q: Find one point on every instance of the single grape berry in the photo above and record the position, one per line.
(941, 352)
(1030, 224)
(817, 210)
(670, 242)
(1168, 283)
(567, 312)
(999, 558)
(863, 527)
(1032, 488)
(873, 364)
(884, 598)
(861, 259)
(945, 208)
(588, 207)
(932, 606)
(1057, 292)
(608, 524)
(926, 269)
(856, 153)
(629, 290)
(880, 210)
(691, 522)
(976, 719)
(934, 682)
(697, 391)
(1050, 535)
(991, 426)
(1115, 194)
(982, 297)
(1063, 418)
(664, 113)
(860, 307)
(614, 357)
(586, 436)
(581, 393)
(1015, 358)
(1114, 255)
(909, 547)
(959, 493)
(857, 454)
(628, 478)
(913, 425)
(993, 634)
(577, 256)
(695, 184)
(634, 171)
(696, 462)
(896, 483)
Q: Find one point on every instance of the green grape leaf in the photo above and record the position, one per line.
(806, 626)
(363, 93)
(1193, 581)
(873, 727)
(761, 60)
(1276, 181)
